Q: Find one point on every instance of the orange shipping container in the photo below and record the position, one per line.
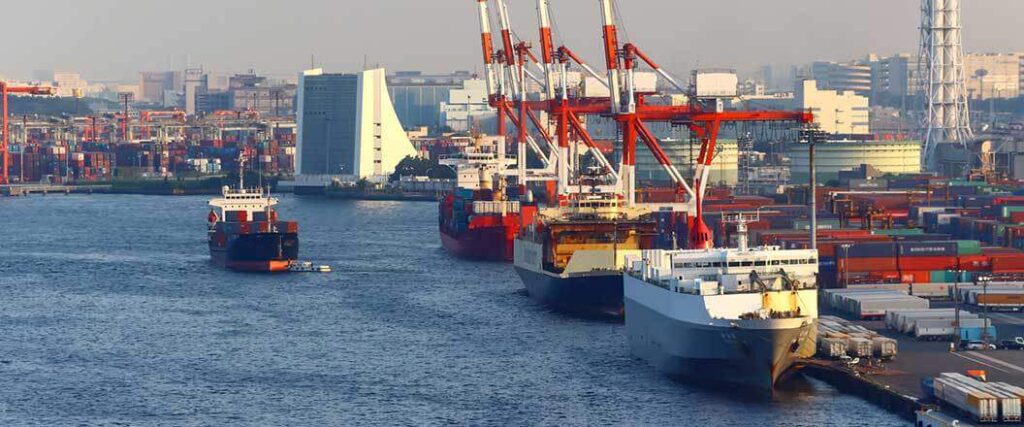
(1001, 299)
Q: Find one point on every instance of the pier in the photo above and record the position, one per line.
(44, 189)
(896, 384)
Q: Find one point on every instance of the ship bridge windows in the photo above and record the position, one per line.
(701, 264)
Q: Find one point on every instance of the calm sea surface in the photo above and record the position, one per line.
(110, 314)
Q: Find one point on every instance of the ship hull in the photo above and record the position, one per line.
(589, 295)
(260, 253)
(754, 354)
(479, 244)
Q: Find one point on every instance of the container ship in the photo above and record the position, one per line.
(245, 235)
(478, 221)
(739, 316)
(571, 257)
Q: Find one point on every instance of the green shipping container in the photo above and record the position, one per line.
(950, 276)
(942, 276)
(968, 247)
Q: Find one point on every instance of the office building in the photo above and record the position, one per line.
(348, 127)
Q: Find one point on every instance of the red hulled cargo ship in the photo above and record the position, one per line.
(474, 226)
(245, 235)
(477, 220)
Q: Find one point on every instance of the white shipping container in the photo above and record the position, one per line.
(831, 347)
(980, 405)
(858, 347)
(883, 348)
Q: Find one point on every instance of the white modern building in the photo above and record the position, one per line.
(835, 112)
(347, 128)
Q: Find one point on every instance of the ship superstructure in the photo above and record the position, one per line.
(739, 315)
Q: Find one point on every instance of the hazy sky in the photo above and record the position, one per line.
(113, 39)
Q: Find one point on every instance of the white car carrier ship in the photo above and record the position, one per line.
(739, 316)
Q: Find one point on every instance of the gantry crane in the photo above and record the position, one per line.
(5, 90)
(628, 108)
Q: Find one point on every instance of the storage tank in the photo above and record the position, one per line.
(833, 156)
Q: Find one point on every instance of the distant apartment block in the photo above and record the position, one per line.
(843, 76)
(894, 76)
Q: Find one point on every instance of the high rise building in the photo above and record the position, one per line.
(348, 127)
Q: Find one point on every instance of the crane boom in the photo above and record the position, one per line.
(488, 46)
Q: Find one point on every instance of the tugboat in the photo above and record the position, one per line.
(244, 233)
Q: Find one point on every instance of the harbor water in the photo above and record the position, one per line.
(111, 314)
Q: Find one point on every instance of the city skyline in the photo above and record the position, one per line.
(280, 39)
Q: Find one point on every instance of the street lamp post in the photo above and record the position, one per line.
(813, 137)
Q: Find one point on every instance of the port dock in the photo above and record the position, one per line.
(896, 384)
(26, 189)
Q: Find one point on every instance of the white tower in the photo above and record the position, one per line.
(941, 69)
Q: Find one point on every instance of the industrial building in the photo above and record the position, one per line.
(468, 107)
(252, 92)
(993, 75)
(831, 157)
(417, 97)
(348, 128)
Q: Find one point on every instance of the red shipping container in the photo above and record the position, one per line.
(916, 277)
(1008, 263)
(865, 265)
(927, 263)
(975, 263)
(884, 276)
